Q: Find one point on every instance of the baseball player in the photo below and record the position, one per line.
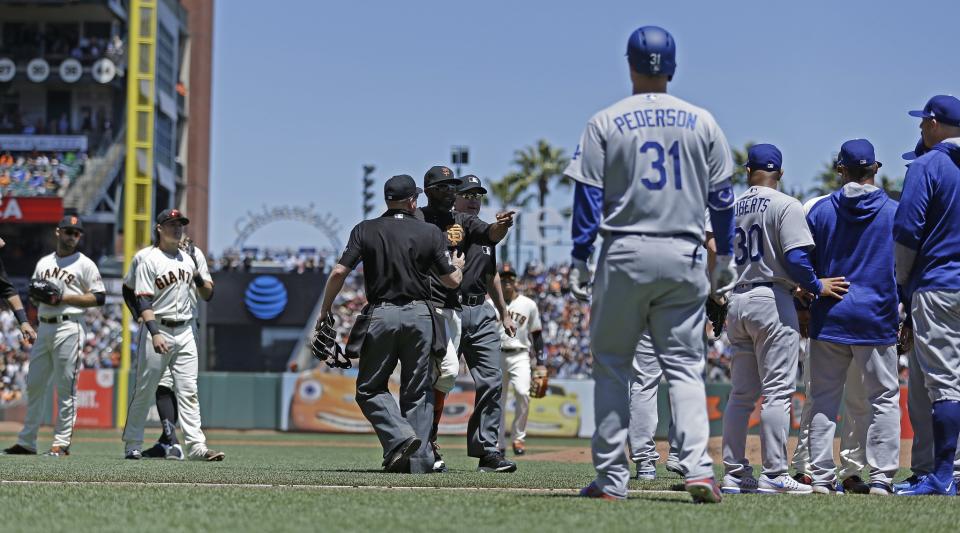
(928, 268)
(516, 359)
(165, 277)
(462, 230)
(772, 244)
(646, 169)
(56, 353)
(856, 414)
(167, 446)
(918, 402)
(851, 231)
(480, 338)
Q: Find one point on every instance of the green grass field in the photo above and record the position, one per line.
(287, 482)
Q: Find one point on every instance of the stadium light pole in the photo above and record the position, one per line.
(459, 157)
(368, 193)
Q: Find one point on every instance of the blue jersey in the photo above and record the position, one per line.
(852, 231)
(928, 219)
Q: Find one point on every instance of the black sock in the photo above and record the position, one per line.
(167, 409)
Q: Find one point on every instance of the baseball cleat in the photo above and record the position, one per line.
(396, 460)
(439, 467)
(930, 486)
(209, 456)
(16, 449)
(805, 479)
(175, 453)
(675, 468)
(704, 490)
(911, 481)
(58, 451)
(592, 491)
(831, 490)
(157, 451)
(645, 473)
(855, 485)
(738, 484)
(133, 455)
(782, 484)
(518, 448)
(880, 488)
(494, 462)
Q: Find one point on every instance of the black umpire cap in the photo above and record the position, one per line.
(440, 174)
(471, 183)
(400, 187)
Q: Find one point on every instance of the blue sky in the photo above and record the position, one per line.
(307, 93)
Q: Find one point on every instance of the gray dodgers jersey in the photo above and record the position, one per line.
(768, 225)
(656, 157)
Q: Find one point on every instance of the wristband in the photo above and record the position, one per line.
(21, 315)
(198, 281)
(152, 327)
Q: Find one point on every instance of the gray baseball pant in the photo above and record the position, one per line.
(655, 284)
(830, 364)
(480, 346)
(399, 334)
(643, 409)
(921, 419)
(764, 333)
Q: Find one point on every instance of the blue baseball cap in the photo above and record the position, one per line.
(944, 108)
(764, 157)
(857, 153)
(917, 152)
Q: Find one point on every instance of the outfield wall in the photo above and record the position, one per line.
(321, 401)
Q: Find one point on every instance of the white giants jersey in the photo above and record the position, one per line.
(656, 157)
(168, 280)
(130, 280)
(526, 317)
(76, 274)
(768, 225)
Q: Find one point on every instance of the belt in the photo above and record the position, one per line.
(683, 235)
(173, 323)
(757, 284)
(515, 349)
(474, 299)
(55, 319)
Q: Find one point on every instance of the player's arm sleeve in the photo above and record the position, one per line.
(202, 267)
(538, 352)
(801, 270)
(587, 214)
(130, 298)
(720, 195)
(588, 163)
(145, 276)
(352, 253)
(910, 219)
(94, 281)
(535, 324)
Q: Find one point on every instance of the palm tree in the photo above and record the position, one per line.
(509, 192)
(539, 166)
(740, 159)
(827, 180)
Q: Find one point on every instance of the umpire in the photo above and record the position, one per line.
(398, 253)
(462, 230)
(480, 338)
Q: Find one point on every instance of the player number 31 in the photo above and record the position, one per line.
(658, 165)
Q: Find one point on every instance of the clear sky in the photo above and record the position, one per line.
(306, 92)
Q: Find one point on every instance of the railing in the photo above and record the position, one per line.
(86, 190)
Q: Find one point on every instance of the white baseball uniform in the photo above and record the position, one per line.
(515, 363)
(59, 343)
(168, 280)
(763, 327)
(657, 158)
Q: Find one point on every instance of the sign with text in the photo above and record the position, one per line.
(43, 143)
(29, 210)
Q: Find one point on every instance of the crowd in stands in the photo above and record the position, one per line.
(39, 173)
(59, 41)
(300, 261)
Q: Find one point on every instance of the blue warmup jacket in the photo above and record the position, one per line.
(928, 219)
(853, 239)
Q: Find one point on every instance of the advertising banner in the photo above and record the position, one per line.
(22, 209)
(94, 398)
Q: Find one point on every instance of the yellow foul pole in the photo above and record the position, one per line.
(138, 181)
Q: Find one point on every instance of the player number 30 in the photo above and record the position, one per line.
(749, 245)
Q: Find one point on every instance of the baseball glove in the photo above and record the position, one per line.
(905, 338)
(717, 313)
(44, 291)
(538, 382)
(324, 345)
(188, 246)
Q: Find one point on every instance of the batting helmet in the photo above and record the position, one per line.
(651, 50)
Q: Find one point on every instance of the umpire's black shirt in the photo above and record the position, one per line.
(398, 252)
(475, 231)
(479, 265)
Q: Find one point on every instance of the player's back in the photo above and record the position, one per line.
(768, 225)
(657, 156)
